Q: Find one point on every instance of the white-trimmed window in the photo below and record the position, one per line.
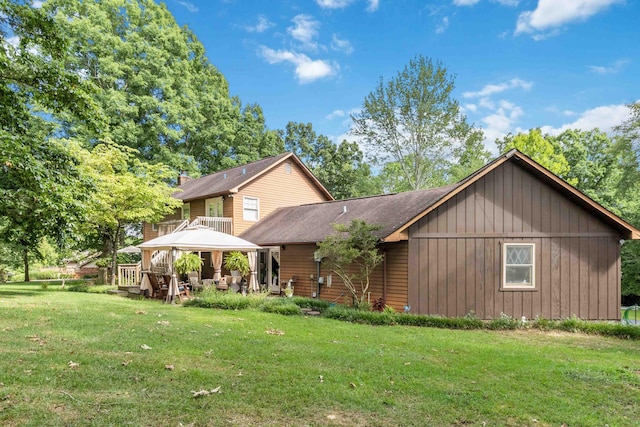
(250, 208)
(186, 211)
(154, 227)
(214, 207)
(518, 261)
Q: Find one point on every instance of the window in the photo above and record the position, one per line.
(186, 211)
(250, 208)
(214, 207)
(154, 227)
(287, 168)
(519, 266)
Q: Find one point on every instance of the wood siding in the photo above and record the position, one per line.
(296, 261)
(455, 260)
(275, 189)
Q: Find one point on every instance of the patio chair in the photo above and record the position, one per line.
(158, 291)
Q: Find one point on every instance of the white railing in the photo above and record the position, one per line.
(129, 274)
(223, 225)
(160, 261)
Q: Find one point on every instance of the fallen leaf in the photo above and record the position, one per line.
(321, 378)
(272, 331)
(169, 367)
(353, 385)
(126, 362)
(145, 347)
(73, 365)
(141, 312)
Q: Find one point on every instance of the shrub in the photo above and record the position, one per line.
(78, 287)
(504, 322)
(281, 306)
(212, 298)
(312, 303)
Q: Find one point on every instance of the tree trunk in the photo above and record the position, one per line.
(25, 258)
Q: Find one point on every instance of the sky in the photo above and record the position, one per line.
(518, 64)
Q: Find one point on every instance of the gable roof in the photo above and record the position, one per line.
(396, 212)
(230, 181)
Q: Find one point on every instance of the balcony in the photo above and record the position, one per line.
(223, 225)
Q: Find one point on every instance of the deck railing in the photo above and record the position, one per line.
(223, 225)
(172, 226)
(129, 274)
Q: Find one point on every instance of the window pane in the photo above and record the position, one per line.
(518, 275)
(519, 255)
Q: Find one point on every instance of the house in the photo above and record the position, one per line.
(233, 200)
(511, 238)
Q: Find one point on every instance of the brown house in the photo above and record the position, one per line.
(511, 238)
(235, 199)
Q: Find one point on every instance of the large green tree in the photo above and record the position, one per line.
(41, 185)
(544, 149)
(340, 167)
(128, 191)
(162, 95)
(414, 121)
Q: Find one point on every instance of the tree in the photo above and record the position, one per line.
(339, 167)
(413, 121)
(352, 254)
(41, 186)
(544, 149)
(162, 95)
(128, 191)
(42, 190)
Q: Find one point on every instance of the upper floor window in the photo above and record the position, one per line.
(287, 168)
(518, 261)
(186, 211)
(214, 207)
(250, 208)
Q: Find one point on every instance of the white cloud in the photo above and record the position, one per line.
(604, 118)
(465, 2)
(341, 45)
(188, 5)
(307, 70)
(305, 29)
(551, 14)
(37, 4)
(263, 25)
(373, 5)
(470, 107)
(13, 41)
(507, 2)
(612, 69)
(335, 4)
(491, 89)
(334, 114)
(569, 113)
(441, 28)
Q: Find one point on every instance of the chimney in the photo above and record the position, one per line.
(183, 178)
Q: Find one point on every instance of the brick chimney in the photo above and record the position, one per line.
(183, 178)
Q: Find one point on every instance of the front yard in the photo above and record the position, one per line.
(70, 358)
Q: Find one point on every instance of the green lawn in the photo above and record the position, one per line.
(69, 358)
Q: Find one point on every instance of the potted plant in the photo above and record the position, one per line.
(188, 263)
(237, 261)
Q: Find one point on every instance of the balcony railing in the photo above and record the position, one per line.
(223, 225)
(172, 226)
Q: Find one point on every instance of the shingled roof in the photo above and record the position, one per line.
(396, 212)
(231, 180)
(313, 222)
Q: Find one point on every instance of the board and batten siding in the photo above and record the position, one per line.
(296, 261)
(284, 185)
(455, 262)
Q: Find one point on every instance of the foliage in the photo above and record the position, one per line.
(630, 256)
(188, 262)
(128, 191)
(503, 322)
(161, 94)
(339, 167)
(212, 298)
(281, 306)
(315, 304)
(414, 122)
(237, 261)
(352, 253)
(543, 149)
(78, 287)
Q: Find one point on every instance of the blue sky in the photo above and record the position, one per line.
(519, 64)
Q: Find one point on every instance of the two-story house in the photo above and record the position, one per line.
(233, 200)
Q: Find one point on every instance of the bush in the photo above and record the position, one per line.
(312, 303)
(281, 306)
(78, 287)
(504, 322)
(212, 298)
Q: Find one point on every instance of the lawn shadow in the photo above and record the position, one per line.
(12, 293)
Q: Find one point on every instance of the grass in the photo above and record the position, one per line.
(276, 370)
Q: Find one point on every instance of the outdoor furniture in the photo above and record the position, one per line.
(157, 290)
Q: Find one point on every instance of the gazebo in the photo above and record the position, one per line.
(201, 239)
